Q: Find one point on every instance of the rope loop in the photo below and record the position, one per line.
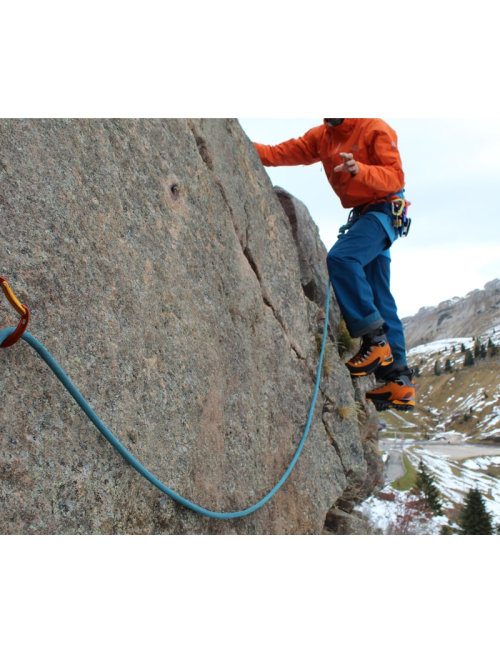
(8, 333)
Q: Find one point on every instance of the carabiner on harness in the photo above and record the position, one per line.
(400, 220)
(22, 310)
(350, 222)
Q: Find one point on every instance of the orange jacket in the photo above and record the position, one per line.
(374, 147)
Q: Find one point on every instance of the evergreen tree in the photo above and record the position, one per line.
(422, 476)
(474, 519)
(437, 368)
(448, 367)
(493, 350)
(462, 347)
(425, 483)
(468, 359)
(477, 349)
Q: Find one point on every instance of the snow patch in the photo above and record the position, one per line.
(481, 462)
(439, 346)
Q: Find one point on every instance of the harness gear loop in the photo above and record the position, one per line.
(22, 310)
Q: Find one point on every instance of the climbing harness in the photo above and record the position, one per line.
(399, 212)
(22, 310)
(9, 334)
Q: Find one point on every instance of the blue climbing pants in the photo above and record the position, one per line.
(359, 265)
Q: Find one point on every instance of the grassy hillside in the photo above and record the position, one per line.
(461, 400)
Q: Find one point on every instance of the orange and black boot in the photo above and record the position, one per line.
(374, 352)
(398, 392)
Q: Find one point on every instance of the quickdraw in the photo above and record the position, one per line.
(22, 310)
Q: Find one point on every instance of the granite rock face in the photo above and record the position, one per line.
(311, 253)
(164, 276)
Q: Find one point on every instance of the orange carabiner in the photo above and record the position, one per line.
(22, 310)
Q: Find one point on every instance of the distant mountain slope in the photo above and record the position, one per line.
(473, 315)
(454, 398)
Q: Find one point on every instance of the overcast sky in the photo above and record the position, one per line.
(452, 171)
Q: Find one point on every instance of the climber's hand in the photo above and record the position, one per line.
(350, 165)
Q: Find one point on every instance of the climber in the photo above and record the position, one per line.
(362, 163)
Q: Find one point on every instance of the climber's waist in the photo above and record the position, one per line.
(396, 208)
(381, 206)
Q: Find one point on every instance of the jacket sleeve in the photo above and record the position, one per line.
(299, 151)
(386, 174)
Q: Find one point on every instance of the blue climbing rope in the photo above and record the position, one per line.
(76, 395)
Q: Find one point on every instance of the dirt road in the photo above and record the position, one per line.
(394, 466)
(458, 452)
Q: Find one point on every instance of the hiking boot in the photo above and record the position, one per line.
(375, 352)
(398, 392)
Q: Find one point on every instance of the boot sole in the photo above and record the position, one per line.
(398, 405)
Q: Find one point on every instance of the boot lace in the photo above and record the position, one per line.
(364, 352)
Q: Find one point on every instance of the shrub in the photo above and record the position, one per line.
(347, 412)
(412, 515)
(446, 530)
(345, 342)
(386, 496)
(327, 368)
